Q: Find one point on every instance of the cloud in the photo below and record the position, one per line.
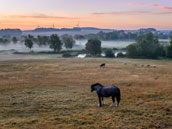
(43, 16)
(122, 13)
(152, 5)
(167, 11)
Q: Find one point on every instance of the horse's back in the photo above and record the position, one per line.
(110, 91)
(112, 88)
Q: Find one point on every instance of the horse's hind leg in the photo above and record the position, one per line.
(118, 100)
(113, 101)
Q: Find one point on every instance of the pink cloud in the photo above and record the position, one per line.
(131, 13)
(152, 5)
(122, 13)
(42, 16)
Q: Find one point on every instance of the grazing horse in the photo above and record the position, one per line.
(103, 91)
(102, 65)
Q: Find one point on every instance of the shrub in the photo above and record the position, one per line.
(98, 55)
(67, 55)
(120, 55)
(109, 53)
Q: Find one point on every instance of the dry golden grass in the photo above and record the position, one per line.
(52, 94)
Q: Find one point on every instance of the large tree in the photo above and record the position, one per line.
(29, 43)
(14, 39)
(93, 46)
(147, 46)
(55, 43)
(68, 41)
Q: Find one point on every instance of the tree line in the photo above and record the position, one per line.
(123, 35)
(53, 41)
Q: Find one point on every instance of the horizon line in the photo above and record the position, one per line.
(87, 27)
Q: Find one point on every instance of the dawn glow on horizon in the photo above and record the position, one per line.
(110, 14)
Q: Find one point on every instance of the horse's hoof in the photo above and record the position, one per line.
(112, 105)
(99, 105)
(103, 103)
(118, 105)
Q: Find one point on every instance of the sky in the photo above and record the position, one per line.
(112, 14)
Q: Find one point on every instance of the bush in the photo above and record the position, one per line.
(98, 55)
(109, 53)
(67, 55)
(89, 55)
(120, 55)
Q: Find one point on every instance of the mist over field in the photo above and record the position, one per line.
(80, 44)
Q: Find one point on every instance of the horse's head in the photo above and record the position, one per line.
(94, 86)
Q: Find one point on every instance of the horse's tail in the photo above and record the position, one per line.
(118, 96)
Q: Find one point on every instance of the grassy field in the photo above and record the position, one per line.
(53, 94)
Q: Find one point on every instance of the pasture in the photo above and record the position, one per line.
(55, 93)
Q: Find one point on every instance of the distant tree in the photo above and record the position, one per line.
(93, 47)
(55, 43)
(79, 37)
(31, 37)
(29, 43)
(169, 49)
(4, 41)
(14, 40)
(171, 40)
(68, 41)
(1, 40)
(42, 40)
(109, 53)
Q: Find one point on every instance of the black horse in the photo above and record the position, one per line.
(103, 91)
(103, 65)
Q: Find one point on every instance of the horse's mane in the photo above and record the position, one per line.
(97, 84)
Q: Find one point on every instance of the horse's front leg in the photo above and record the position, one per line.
(100, 101)
(103, 101)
